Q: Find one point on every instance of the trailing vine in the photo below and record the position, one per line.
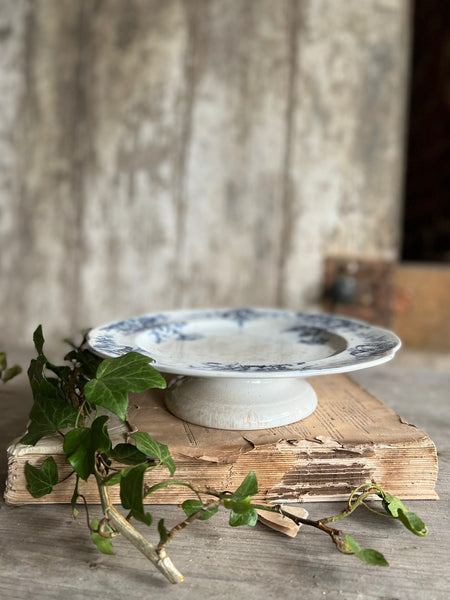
(71, 400)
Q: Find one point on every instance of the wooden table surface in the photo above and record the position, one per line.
(45, 554)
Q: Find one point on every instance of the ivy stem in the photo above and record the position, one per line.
(80, 412)
(157, 556)
(86, 508)
(377, 512)
(186, 522)
(353, 505)
(195, 489)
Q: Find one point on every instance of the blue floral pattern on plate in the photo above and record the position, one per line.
(173, 331)
(246, 342)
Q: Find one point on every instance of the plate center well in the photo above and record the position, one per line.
(263, 341)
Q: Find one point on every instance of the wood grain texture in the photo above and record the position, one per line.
(47, 555)
(158, 154)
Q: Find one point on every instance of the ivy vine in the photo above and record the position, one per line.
(66, 402)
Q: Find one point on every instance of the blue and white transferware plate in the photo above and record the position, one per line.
(247, 343)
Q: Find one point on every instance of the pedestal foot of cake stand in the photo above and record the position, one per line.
(240, 404)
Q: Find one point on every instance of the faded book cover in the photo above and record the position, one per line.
(351, 438)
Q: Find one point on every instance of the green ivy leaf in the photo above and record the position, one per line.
(392, 505)
(36, 372)
(163, 533)
(352, 544)
(127, 454)
(38, 339)
(249, 487)
(410, 520)
(132, 492)
(242, 506)
(41, 480)
(239, 503)
(118, 376)
(102, 393)
(63, 373)
(247, 518)
(371, 557)
(81, 444)
(190, 507)
(49, 413)
(154, 449)
(413, 522)
(113, 478)
(103, 543)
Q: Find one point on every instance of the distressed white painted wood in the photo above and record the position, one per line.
(192, 153)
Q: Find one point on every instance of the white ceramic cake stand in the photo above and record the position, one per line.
(245, 369)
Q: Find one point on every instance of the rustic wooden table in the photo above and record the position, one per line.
(45, 554)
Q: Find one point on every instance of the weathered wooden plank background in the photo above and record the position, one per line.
(166, 153)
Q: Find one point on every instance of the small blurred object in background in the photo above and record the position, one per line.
(412, 294)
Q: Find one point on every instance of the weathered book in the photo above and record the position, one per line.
(351, 438)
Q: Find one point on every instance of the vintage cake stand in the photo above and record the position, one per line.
(245, 368)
